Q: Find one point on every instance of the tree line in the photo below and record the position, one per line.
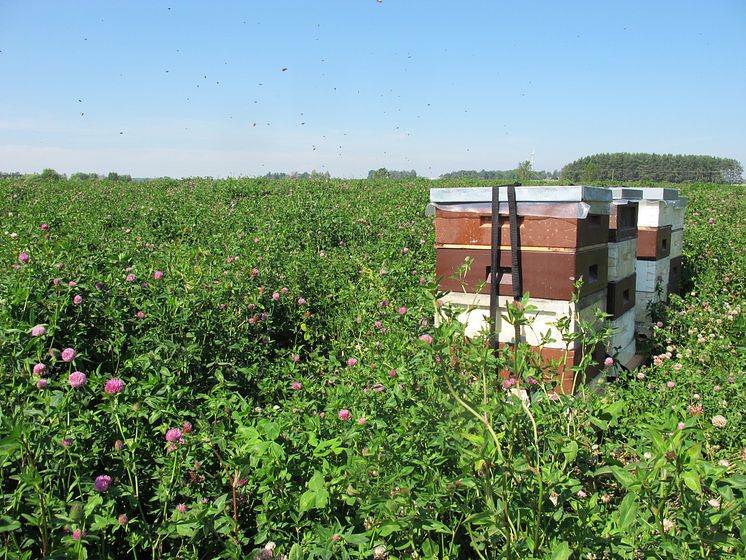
(383, 173)
(522, 174)
(670, 168)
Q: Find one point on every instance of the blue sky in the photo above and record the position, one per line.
(185, 88)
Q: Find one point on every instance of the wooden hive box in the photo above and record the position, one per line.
(563, 235)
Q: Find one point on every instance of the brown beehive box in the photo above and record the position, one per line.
(549, 274)
(623, 221)
(653, 243)
(475, 228)
(621, 296)
(560, 362)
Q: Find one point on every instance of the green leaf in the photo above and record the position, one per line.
(691, 479)
(570, 451)
(317, 482)
(658, 443)
(481, 518)
(186, 529)
(599, 423)
(437, 526)
(317, 496)
(475, 439)
(219, 503)
(624, 477)
(100, 522)
(307, 501)
(296, 552)
(358, 539)
(430, 549)
(627, 511)
(389, 527)
(561, 551)
(694, 452)
(93, 502)
(8, 524)
(737, 481)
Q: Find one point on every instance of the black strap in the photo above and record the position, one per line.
(515, 245)
(494, 268)
(515, 256)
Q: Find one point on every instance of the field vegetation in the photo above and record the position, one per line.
(252, 368)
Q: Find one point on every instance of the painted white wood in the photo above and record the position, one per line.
(652, 273)
(522, 194)
(624, 330)
(677, 243)
(655, 213)
(474, 311)
(622, 259)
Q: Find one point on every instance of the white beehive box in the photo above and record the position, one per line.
(655, 213)
(642, 303)
(622, 259)
(624, 331)
(474, 313)
(652, 274)
(677, 243)
(679, 212)
(626, 354)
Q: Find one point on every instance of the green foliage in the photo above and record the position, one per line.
(296, 176)
(84, 176)
(116, 177)
(49, 174)
(384, 173)
(509, 175)
(524, 171)
(283, 303)
(623, 166)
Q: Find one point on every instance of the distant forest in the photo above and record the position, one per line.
(523, 174)
(296, 175)
(622, 166)
(617, 168)
(384, 173)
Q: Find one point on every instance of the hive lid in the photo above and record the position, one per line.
(522, 194)
(659, 193)
(618, 193)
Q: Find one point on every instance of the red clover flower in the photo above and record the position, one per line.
(102, 483)
(77, 379)
(68, 355)
(114, 386)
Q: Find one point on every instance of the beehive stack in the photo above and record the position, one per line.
(622, 273)
(659, 209)
(563, 237)
(677, 244)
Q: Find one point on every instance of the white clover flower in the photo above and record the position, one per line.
(719, 421)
